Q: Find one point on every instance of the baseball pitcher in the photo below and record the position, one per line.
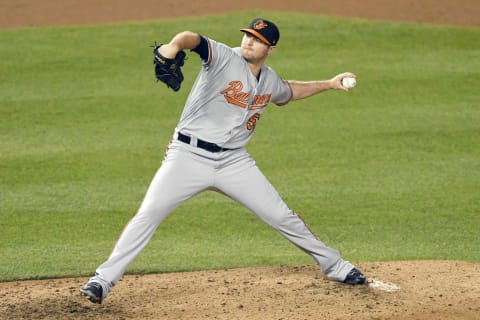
(208, 152)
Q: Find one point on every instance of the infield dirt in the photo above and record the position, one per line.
(424, 289)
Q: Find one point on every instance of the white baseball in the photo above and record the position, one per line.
(349, 82)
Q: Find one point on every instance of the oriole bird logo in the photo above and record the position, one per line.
(259, 25)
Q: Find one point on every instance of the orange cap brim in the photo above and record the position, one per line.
(258, 35)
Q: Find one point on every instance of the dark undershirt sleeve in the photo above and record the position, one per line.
(202, 49)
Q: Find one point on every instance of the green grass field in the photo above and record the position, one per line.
(389, 171)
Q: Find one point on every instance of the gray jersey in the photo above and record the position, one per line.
(227, 100)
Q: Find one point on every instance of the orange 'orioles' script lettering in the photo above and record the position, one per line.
(234, 95)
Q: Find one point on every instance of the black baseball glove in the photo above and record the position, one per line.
(169, 70)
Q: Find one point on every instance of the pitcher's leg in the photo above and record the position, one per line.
(245, 183)
(179, 178)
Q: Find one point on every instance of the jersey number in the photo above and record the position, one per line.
(252, 122)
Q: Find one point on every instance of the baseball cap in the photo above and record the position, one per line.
(264, 30)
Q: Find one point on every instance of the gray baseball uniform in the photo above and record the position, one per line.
(208, 153)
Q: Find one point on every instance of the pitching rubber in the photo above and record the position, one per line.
(383, 286)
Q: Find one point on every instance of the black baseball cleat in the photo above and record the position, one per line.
(355, 277)
(93, 291)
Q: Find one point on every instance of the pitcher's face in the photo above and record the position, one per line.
(253, 49)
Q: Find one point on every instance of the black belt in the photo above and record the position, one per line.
(212, 147)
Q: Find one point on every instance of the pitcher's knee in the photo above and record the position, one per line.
(282, 219)
(153, 215)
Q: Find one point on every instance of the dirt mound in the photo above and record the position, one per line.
(411, 290)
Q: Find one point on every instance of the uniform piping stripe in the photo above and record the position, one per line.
(289, 99)
(210, 52)
(306, 225)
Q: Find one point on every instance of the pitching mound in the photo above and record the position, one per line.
(397, 290)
